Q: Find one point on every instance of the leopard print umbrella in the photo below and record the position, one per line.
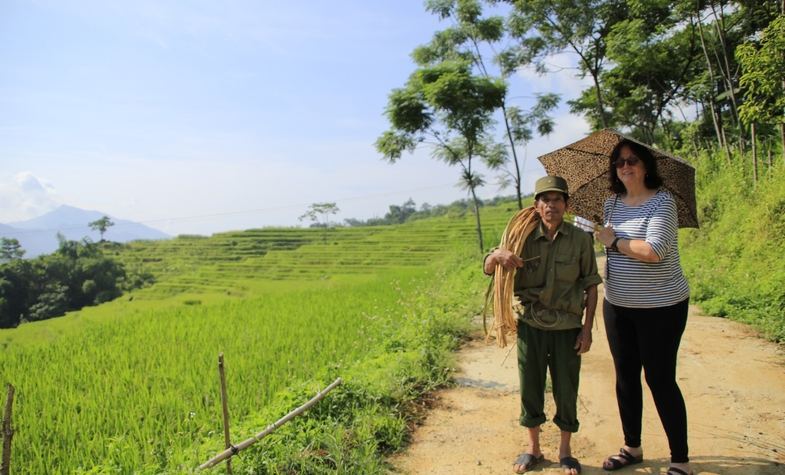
(584, 164)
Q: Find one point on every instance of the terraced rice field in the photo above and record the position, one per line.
(130, 386)
(241, 261)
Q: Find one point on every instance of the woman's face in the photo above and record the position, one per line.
(629, 168)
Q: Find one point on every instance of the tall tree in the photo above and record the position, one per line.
(476, 38)
(654, 55)
(101, 225)
(763, 78)
(548, 27)
(10, 249)
(317, 211)
(521, 125)
(722, 26)
(449, 108)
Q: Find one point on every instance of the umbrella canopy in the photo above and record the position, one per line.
(584, 164)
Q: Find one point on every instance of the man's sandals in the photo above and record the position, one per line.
(570, 463)
(620, 460)
(527, 462)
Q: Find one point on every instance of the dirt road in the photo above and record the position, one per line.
(733, 383)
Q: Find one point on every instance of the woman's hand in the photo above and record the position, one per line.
(606, 235)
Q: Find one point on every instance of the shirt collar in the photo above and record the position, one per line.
(539, 232)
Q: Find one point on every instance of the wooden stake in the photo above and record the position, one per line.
(8, 433)
(270, 429)
(225, 404)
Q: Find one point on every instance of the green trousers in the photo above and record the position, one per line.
(539, 350)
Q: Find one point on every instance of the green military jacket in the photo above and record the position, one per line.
(551, 283)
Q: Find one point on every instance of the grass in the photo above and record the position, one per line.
(130, 386)
(734, 263)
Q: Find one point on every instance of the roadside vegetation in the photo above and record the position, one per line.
(734, 262)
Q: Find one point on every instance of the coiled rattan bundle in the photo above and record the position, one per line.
(501, 292)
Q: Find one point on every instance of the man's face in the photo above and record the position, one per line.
(551, 206)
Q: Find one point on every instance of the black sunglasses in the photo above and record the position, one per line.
(631, 161)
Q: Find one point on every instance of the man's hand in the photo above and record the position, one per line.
(506, 259)
(583, 342)
(605, 235)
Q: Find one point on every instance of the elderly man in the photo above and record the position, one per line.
(556, 283)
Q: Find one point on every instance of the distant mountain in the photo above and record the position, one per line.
(39, 235)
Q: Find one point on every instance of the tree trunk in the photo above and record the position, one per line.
(725, 140)
(719, 25)
(600, 104)
(477, 218)
(754, 138)
(782, 136)
(717, 125)
(514, 158)
(477, 58)
(720, 131)
(768, 156)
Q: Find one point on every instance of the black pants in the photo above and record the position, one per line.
(649, 338)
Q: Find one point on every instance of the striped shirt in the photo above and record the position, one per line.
(637, 284)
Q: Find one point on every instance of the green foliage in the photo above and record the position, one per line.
(449, 106)
(101, 225)
(369, 415)
(10, 249)
(320, 210)
(734, 261)
(543, 28)
(651, 60)
(762, 77)
(53, 301)
(76, 275)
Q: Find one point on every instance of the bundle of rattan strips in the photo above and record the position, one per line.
(501, 290)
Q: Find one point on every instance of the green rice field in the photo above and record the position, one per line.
(131, 386)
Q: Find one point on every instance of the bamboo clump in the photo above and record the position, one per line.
(501, 293)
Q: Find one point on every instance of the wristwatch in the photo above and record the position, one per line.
(614, 244)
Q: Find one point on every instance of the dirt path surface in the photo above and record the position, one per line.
(733, 383)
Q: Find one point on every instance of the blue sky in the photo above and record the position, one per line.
(202, 116)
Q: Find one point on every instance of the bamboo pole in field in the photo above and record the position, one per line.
(8, 432)
(225, 405)
(270, 429)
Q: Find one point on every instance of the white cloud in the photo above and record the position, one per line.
(25, 196)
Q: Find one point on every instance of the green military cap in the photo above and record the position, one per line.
(550, 183)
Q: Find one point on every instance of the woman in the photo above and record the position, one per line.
(646, 301)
